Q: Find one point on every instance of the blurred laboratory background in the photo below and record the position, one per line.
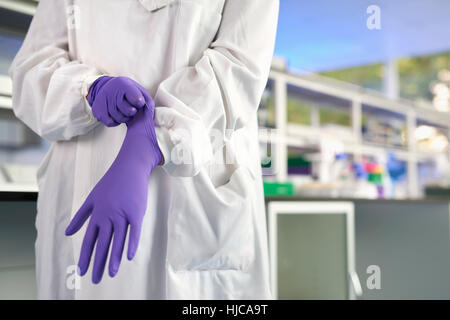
(354, 133)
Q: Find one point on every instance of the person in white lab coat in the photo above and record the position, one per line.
(205, 63)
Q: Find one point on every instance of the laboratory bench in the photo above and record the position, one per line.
(18, 196)
(332, 247)
(17, 236)
(319, 247)
(363, 200)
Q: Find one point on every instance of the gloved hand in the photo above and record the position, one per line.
(115, 100)
(119, 199)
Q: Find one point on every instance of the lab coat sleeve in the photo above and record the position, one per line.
(49, 88)
(199, 105)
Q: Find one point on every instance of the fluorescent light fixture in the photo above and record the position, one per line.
(439, 143)
(26, 7)
(424, 132)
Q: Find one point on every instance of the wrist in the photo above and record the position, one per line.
(96, 87)
(135, 157)
(141, 139)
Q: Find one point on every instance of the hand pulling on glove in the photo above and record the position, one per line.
(115, 100)
(117, 204)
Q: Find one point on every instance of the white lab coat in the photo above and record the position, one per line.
(206, 63)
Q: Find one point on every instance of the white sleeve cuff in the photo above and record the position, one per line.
(165, 144)
(184, 143)
(85, 86)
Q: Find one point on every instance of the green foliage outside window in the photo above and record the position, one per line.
(298, 112)
(416, 74)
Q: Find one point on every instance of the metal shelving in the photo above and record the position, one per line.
(5, 92)
(294, 135)
(307, 136)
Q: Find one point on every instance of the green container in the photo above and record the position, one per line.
(298, 161)
(376, 178)
(278, 189)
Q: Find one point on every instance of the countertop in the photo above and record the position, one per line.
(18, 192)
(18, 196)
(300, 198)
(28, 194)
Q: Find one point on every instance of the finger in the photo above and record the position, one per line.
(101, 252)
(149, 103)
(120, 234)
(109, 122)
(126, 108)
(80, 217)
(148, 99)
(134, 96)
(101, 113)
(87, 247)
(116, 115)
(133, 240)
(105, 115)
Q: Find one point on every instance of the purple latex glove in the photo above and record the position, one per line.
(115, 100)
(119, 199)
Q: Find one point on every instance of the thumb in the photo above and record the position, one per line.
(135, 97)
(80, 218)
